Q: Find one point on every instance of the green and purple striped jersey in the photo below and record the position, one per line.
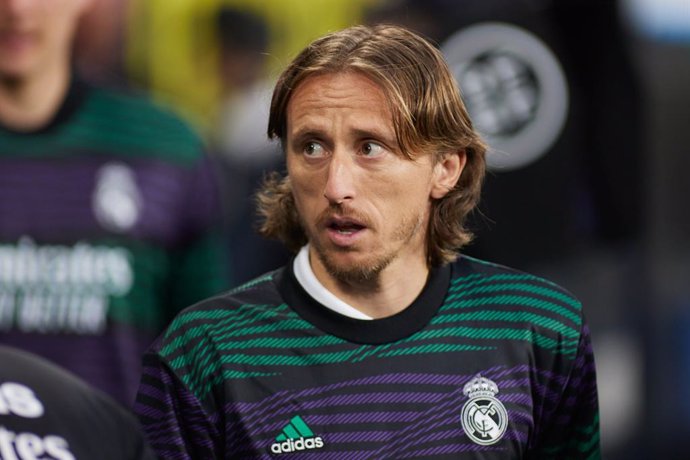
(107, 229)
(487, 363)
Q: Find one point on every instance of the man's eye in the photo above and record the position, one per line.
(313, 149)
(372, 149)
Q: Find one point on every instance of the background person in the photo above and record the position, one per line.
(108, 208)
(244, 154)
(48, 413)
(378, 340)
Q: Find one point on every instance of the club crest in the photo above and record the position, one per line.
(117, 202)
(484, 418)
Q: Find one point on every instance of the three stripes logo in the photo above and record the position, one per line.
(296, 436)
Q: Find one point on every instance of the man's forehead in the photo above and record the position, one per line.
(346, 84)
(326, 94)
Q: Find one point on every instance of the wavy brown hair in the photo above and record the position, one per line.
(428, 115)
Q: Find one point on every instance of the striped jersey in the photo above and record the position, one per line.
(486, 363)
(107, 222)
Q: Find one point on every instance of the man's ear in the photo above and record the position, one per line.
(447, 173)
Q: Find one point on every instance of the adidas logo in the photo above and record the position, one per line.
(296, 436)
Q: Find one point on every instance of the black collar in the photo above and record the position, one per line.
(374, 332)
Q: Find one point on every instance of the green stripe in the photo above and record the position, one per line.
(203, 386)
(199, 383)
(311, 359)
(206, 367)
(588, 444)
(518, 317)
(203, 352)
(281, 343)
(492, 333)
(432, 348)
(567, 347)
(525, 287)
(194, 315)
(289, 324)
(595, 455)
(234, 318)
(514, 300)
(229, 374)
(591, 434)
(479, 279)
(266, 278)
(371, 350)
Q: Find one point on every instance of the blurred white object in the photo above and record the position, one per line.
(660, 19)
(244, 122)
(514, 88)
(619, 376)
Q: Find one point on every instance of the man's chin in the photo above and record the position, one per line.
(352, 267)
(14, 73)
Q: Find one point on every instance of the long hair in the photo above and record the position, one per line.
(429, 117)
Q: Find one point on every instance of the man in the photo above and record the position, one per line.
(48, 413)
(106, 208)
(378, 341)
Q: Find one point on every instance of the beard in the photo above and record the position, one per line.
(367, 269)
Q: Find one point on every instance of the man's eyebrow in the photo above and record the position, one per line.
(305, 133)
(389, 138)
(309, 132)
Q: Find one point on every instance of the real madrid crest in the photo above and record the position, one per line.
(116, 201)
(484, 418)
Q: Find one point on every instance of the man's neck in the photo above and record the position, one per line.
(31, 103)
(386, 294)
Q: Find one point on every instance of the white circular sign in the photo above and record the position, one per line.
(514, 89)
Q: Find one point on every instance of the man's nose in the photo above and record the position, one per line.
(340, 183)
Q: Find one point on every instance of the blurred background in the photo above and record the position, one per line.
(585, 105)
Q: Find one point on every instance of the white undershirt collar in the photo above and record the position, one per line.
(305, 276)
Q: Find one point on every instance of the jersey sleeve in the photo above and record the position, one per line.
(176, 423)
(573, 428)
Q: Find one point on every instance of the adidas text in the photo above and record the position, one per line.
(294, 445)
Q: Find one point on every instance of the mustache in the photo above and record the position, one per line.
(340, 211)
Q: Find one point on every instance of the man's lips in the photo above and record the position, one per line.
(344, 225)
(15, 39)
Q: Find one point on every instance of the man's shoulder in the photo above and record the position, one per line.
(513, 288)
(468, 268)
(254, 301)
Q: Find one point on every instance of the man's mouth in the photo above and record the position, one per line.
(345, 226)
(14, 39)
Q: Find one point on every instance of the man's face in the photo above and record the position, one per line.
(364, 205)
(36, 35)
